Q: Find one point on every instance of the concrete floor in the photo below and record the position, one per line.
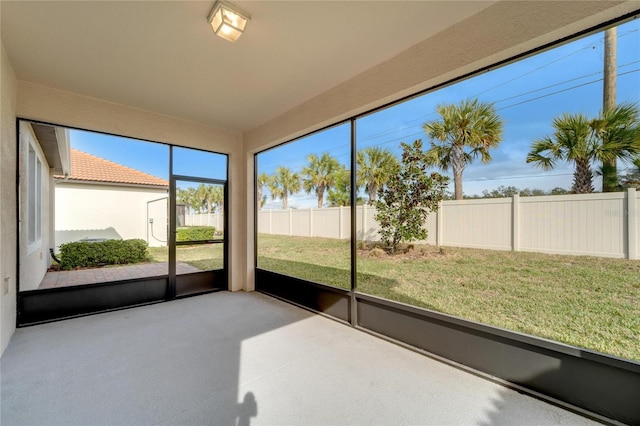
(239, 359)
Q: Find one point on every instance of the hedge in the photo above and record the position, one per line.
(82, 254)
(195, 233)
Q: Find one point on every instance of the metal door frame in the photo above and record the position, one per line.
(172, 243)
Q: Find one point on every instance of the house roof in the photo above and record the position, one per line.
(87, 167)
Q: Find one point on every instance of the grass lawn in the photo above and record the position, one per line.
(205, 257)
(583, 301)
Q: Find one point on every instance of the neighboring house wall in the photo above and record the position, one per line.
(94, 210)
(8, 206)
(36, 184)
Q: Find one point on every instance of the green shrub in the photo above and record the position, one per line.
(195, 233)
(82, 254)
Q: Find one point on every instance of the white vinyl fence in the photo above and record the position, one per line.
(214, 219)
(603, 224)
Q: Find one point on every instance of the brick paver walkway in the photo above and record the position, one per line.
(111, 273)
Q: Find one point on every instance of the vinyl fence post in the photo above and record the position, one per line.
(340, 222)
(290, 222)
(270, 222)
(439, 225)
(364, 222)
(311, 221)
(515, 223)
(632, 224)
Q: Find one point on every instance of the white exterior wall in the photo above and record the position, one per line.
(606, 225)
(158, 210)
(8, 205)
(85, 210)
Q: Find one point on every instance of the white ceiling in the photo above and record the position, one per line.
(162, 56)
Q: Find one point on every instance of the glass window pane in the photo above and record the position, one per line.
(198, 163)
(199, 218)
(111, 212)
(198, 258)
(303, 198)
(31, 207)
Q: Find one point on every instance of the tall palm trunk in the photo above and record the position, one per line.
(457, 166)
(372, 189)
(285, 200)
(320, 192)
(582, 177)
(609, 168)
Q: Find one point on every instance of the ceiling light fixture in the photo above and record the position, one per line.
(228, 21)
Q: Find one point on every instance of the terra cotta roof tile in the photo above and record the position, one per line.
(87, 167)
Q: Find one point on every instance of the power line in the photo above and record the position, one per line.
(533, 70)
(522, 102)
(591, 46)
(563, 90)
(424, 117)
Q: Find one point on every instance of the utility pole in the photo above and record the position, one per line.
(609, 168)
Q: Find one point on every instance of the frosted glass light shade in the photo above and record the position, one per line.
(227, 20)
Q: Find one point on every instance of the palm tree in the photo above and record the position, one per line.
(375, 165)
(340, 193)
(618, 130)
(319, 175)
(216, 198)
(571, 142)
(464, 132)
(187, 197)
(632, 178)
(261, 181)
(203, 199)
(284, 183)
(613, 135)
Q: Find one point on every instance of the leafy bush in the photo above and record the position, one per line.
(82, 254)
(407, 199)
(195, 233)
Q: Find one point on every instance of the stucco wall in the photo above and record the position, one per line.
(68, 109)
(108, 211)
(8, 204)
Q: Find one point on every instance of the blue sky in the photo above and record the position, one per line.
(152, 158)
(528, 94)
